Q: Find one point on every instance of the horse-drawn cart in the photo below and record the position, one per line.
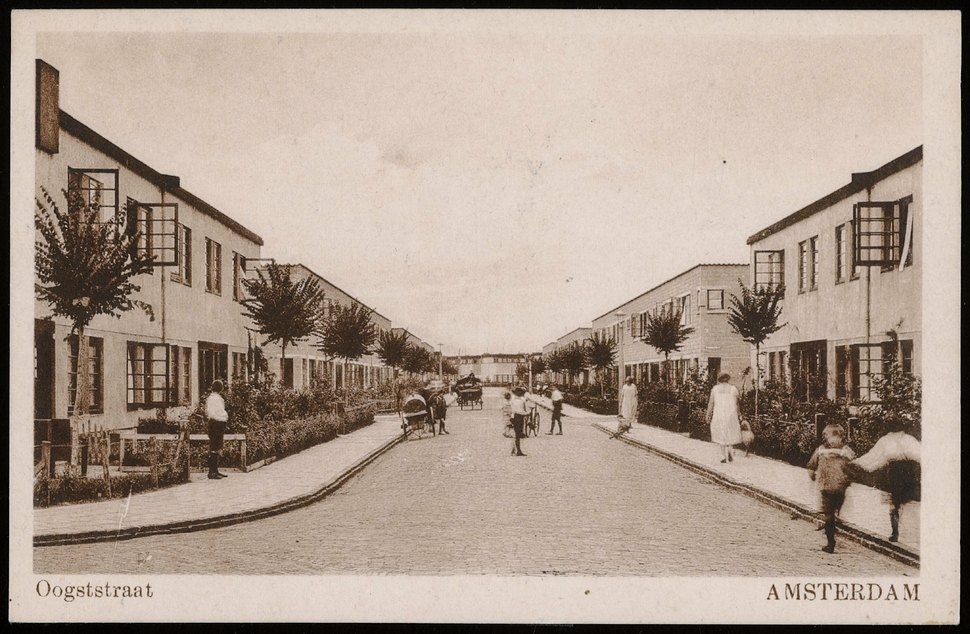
(469, 392)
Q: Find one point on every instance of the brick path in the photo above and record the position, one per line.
(577, 504)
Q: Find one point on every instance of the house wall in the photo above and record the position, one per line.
(183, 315)
(712, 337)
(845, 313)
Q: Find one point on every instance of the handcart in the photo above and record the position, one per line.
(415, 420)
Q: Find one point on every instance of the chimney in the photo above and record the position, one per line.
(47, 108)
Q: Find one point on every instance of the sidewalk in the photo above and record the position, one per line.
(202, 503)
(864, 517)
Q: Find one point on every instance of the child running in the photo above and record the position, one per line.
(827, 467)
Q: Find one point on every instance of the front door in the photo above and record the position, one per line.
(213, 364)
(43, 369)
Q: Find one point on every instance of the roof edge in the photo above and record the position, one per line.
(860, 181)
(164, 181)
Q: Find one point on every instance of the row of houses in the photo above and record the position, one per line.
(851, 267)
(196, 331)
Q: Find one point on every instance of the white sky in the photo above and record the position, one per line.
(492, 190)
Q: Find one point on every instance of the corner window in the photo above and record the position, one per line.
(96, 189)
(213, 266)
(769, 269)
(95, 375)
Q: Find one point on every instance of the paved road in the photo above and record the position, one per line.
(577, 504)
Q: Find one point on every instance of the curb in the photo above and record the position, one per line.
(189, 526)
(846, 529)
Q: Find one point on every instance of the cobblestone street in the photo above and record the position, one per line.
(577, 504)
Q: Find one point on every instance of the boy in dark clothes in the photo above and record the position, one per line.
(828, 468)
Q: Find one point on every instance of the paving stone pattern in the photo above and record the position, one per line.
(576, 504)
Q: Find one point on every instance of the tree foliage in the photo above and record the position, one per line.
(573, 359)
(392, 348)
(755, 316)
(284, 311)
(417, 360)
(666, 334)
(347, 332)
(601, 356)
(84, 267)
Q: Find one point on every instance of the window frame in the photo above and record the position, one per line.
(74, 176)
(769, 268)
(238, 274)
(213, 267)
(718, 292)
(148, 376)
(843, 258)
(183, 268)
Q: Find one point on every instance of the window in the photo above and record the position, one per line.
(635, 325)
(239, 370)
(95, 188)
(95, 375)
(183, 271)
(808, 265)
(841, 253)
(808, 370)
(713, 366)
(715, 299)
(843, 377)
(181, 375)
(213, 266)
(157, 225)
(306, 374)
(769, 269)
(148, 375)
(238, 274)
(883, 233)
(287, 372)
(684, 308)
(213, 362)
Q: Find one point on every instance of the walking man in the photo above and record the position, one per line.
(217, 419)
(556, 411)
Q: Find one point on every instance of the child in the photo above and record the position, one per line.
(827, 468)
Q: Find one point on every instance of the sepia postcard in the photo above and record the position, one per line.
(550, 317)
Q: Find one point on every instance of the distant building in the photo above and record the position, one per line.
(701, 296)
(577, 336)
(839, 309)
(490, 367)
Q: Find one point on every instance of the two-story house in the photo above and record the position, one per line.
(851, 265)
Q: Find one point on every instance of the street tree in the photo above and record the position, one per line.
(347, 332)
(755, 316)
(601, 355)
(665, 333)
(85, 266)
(553, 361)
(392, 348)
(448, 367)
(284, 311)
(418, 360)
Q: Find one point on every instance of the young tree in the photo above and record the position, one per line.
(285, 312)
(755, 317)
(601, 352)
(84, 267)
(666, 334)
(448, 367)
(553, 361)
(392, 348)
(418, 360)
(347, 332)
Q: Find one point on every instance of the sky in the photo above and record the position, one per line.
(494, 189)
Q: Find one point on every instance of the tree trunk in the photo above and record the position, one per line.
(757, 378)
(81, 391)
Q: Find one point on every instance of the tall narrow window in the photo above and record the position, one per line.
(813, 261)
(213, 266)
(95, 374)
(183, 270)
(841, 254)
(803, 267)
(238, 273)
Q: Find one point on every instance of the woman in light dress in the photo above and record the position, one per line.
(724, 416)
